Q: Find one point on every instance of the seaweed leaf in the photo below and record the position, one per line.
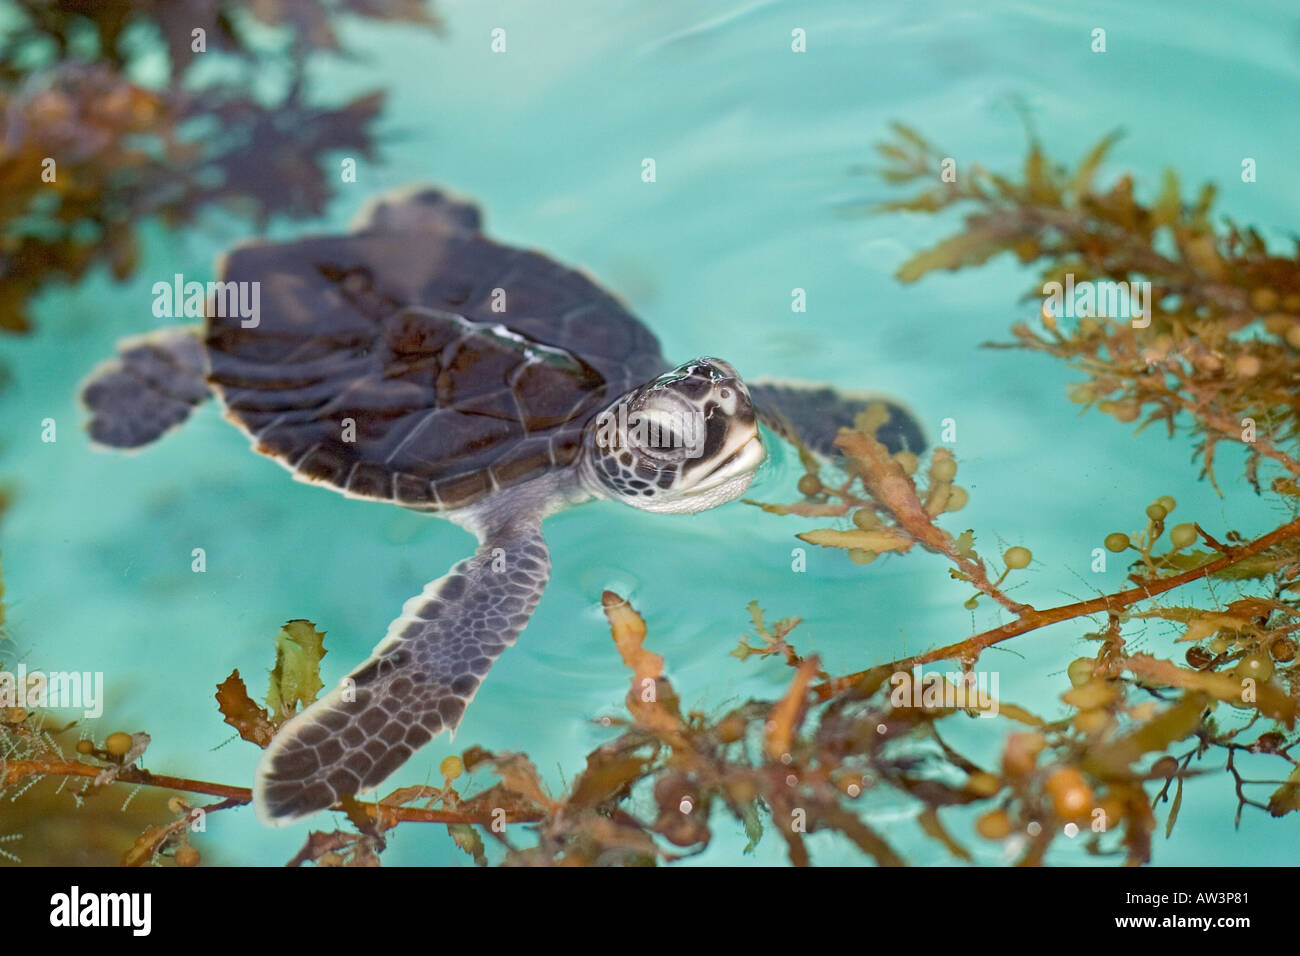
(970, 248)
(1174, 808)
(1081, 185)
(295, 679)
(1286, 798)
(242, 713)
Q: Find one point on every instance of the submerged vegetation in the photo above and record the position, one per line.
(1215, 358)
(98, 133)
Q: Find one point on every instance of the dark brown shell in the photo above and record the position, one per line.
(387, 337)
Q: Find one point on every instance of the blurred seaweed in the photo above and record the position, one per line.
(99, 132)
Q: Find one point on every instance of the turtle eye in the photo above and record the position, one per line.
(668, 449)
(724, 393)
(658, 442)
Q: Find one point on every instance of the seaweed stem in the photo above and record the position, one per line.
(1032, 619)
(15, 770)
(890, 486)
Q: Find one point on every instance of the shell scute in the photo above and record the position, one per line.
(382, 362)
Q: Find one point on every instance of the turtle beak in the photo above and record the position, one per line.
(747, 456)
(740, 458)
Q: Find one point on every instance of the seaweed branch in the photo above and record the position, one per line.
(17, 770)
(1031, 619)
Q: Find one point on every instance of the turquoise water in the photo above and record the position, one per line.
(754, 147)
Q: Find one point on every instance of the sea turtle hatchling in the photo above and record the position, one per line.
(417, 362)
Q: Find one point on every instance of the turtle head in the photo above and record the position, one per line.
(684, 442)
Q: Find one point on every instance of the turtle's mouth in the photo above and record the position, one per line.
(741, 463)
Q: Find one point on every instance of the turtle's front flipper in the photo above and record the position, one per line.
(814, 414)
(148, 389)
(416, 684)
